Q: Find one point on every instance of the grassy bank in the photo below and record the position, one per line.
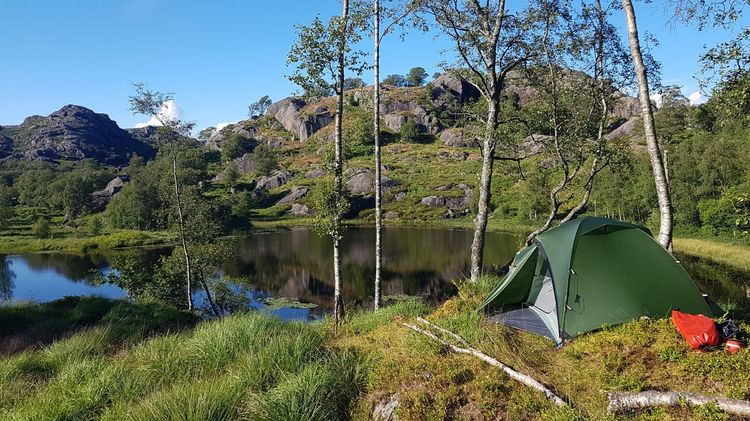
(77, 244)
(734, 255)
(118, 360)
(245, 366)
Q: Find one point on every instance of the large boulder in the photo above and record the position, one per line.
(295, 194)
(625, 129)
(393, 106)
(315, 173)
(450, 202)
(395, 120)
(300, 210)
(363, 182)
(245, 128)
(429, 123)
(459, 138)
(302, 124)
(245, 164)
(273, 181)
(626, 107)
(449, 85)
(100, 198)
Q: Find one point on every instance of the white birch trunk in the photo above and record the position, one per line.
(376, 130)
(513, 374)
(181, 224)
(654, 152)
(338, 303)
(485, 192)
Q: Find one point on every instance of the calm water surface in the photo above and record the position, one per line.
(297, 264)
(293, 263)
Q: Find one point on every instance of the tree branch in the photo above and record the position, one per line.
(519, 377)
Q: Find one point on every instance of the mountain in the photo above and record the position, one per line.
(71, 133)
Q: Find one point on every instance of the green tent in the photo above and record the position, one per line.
(587, 273)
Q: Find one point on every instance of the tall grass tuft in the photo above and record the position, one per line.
(324, 390)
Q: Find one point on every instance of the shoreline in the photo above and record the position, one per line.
(718, 250)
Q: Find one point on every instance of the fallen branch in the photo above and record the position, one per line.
(444, 331)
(522, 378)
(630, 401)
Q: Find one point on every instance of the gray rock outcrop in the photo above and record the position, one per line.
(395, 120)
(362, 182)
(273, 181)
(100, 198)
(295, 194)
(458, 88)
(453, 203)
(300, 210)
(315, 173)
(625, 129)
(459, 138)
(301, 124)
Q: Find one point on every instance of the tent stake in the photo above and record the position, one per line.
(522, 378)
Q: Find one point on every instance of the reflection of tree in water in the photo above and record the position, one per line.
(6, 279)
(73, 267)
(721, 282)
(297, 263)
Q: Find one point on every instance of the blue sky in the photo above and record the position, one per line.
(216, 56)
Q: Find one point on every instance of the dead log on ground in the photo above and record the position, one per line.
(631, 401)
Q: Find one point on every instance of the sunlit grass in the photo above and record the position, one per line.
(734, 255)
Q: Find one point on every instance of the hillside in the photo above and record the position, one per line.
(430, 177)
(71, 133)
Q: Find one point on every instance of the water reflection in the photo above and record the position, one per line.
(6, 279)
(297, 264)
(294, 263)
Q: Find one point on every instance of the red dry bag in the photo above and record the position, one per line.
(698, 330)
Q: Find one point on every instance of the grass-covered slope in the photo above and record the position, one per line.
(142, 362)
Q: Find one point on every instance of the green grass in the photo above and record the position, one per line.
(243, 366)
(123, 361)
(434, 384)
(77, 242)
(734, 255)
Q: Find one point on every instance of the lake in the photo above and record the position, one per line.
(293, 263)
(296, 263)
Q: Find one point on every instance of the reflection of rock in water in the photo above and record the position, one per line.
(6, 279)
(302, 286)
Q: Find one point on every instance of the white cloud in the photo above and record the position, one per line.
(657, 99)
(170, 111)
(696, 98)
(223, 124)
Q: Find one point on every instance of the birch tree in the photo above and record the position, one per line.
(393, 16)
(170, 135)
(580, 66)
(322, 55)
(490, 42)
(652, 145)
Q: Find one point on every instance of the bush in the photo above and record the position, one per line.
(265, 160)
(235, 146)
(41, 228)
(409, 132)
